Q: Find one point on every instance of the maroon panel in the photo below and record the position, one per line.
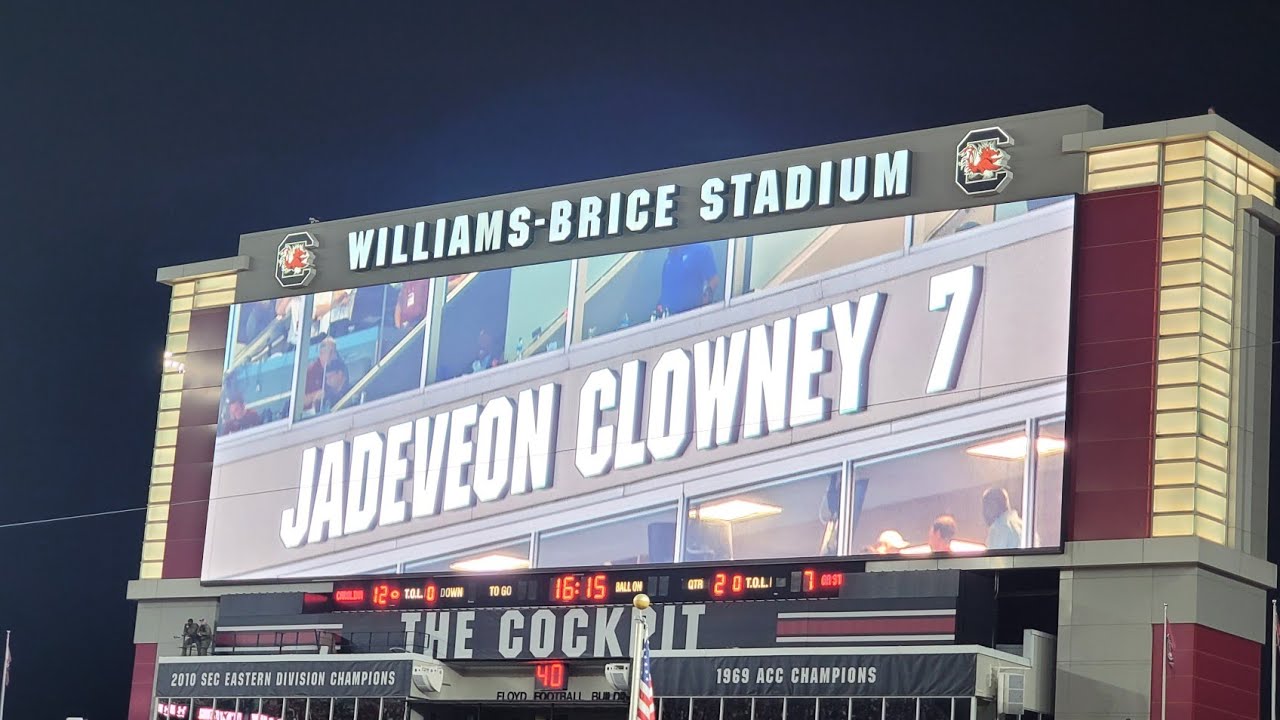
(195, 444)
(1111, 513)
(1110, 365)
(203, 369)
(1213, 674)
(1119, 216)
(208, 329)
(199, 406)
(183, 558)
(191, 481)
(144, 669)
(1115, 306)
(1112, 316)
(1114, 415)
(1106, 268)
(187, 521)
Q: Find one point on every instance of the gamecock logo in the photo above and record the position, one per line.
(296, 260)
(983, 162)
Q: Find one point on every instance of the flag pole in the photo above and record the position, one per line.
(1275, 652)
(1164, 666)
(4, 674)
(638, 604)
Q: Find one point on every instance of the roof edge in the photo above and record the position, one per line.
(174, 274)
(1209, 125)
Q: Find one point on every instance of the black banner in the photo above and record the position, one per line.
(934, 674)
(282, 678)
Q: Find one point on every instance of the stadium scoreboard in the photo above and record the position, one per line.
(607, 587)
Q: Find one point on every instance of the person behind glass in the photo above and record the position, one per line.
(411, 304)
(941, 533)
(189, 637)
(486, 356)
(204, 637)
(689, 279)
(890, 542)
(1004, 527)
(336, 385)
(327, 354)
(239, 416)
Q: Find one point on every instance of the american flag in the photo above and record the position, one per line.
(8, 658)
(644, 694)
(1168, 639)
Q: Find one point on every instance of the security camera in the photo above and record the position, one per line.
(618, 675)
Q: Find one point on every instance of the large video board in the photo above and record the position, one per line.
(893, 386)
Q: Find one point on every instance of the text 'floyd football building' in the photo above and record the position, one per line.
(919, 427)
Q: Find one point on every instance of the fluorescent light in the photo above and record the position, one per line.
(491, 563)
(736, 510)
(1015, 448)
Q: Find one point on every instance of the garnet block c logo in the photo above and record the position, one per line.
(982, 161)
(296, 260)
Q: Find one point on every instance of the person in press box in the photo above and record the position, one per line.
(690, 279)
(189, 637)
(1004, 527)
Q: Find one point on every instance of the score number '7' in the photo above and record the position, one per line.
(957, 292)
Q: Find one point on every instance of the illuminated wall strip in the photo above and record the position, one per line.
(217, 291)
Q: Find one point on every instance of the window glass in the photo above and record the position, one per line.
(706, 709)
(498, 316)
(199, 704)
(247, 705)
(258, 371)
(961, 711)
(393, 709)
(766, 261)
(618, 291)
(512, 556)
(938, 225)
(1050, 444)
(296, 709)
(866, 709)
(319, 708)
(368, 708)
(801, 708)
(900, 709)
(935, 708)
(645, 538)
(833, 708)
(768, 709)
(344, 709)
(737, 709)
(226, 704)
(273, 707)
(792, 518)
(364, 344)
(937, 499)
(674, 708)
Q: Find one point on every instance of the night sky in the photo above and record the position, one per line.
(138, 135)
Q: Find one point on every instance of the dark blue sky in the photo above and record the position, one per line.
(147, 134)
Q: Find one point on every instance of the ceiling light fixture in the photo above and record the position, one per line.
(736, 510)
(1015, 448)
(494, 562)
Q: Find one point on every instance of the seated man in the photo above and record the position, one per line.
(942, 533)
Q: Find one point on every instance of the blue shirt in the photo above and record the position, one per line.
(685, 275)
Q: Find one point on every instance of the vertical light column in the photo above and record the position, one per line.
(187, 296)
(1193, 465)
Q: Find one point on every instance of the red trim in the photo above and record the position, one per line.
(1214, 674)
(144, 673)
(919, 625)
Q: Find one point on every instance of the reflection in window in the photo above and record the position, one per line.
(228, 704)
(833, 709)
(495, 317)
(766, 261)
(866, 709)
(393, 709)
(646, 538)
(319, 708)
(200, 704)
(618, 291)
(799, 708)
(368, 708)
(364, 344)
(273, 707)
(674, 708)
(737, 709)
(961, 709)
(768, 709)
(706, 709)
(296, 709)
(258, 370)
(937, 499)
(900, 709)
(937, 225)
(1051, 443)
(791, 518)
(247, 705)
(499, 558)
(344, 709)
(935, 708)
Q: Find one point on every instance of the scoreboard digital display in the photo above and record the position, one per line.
(581, 588)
